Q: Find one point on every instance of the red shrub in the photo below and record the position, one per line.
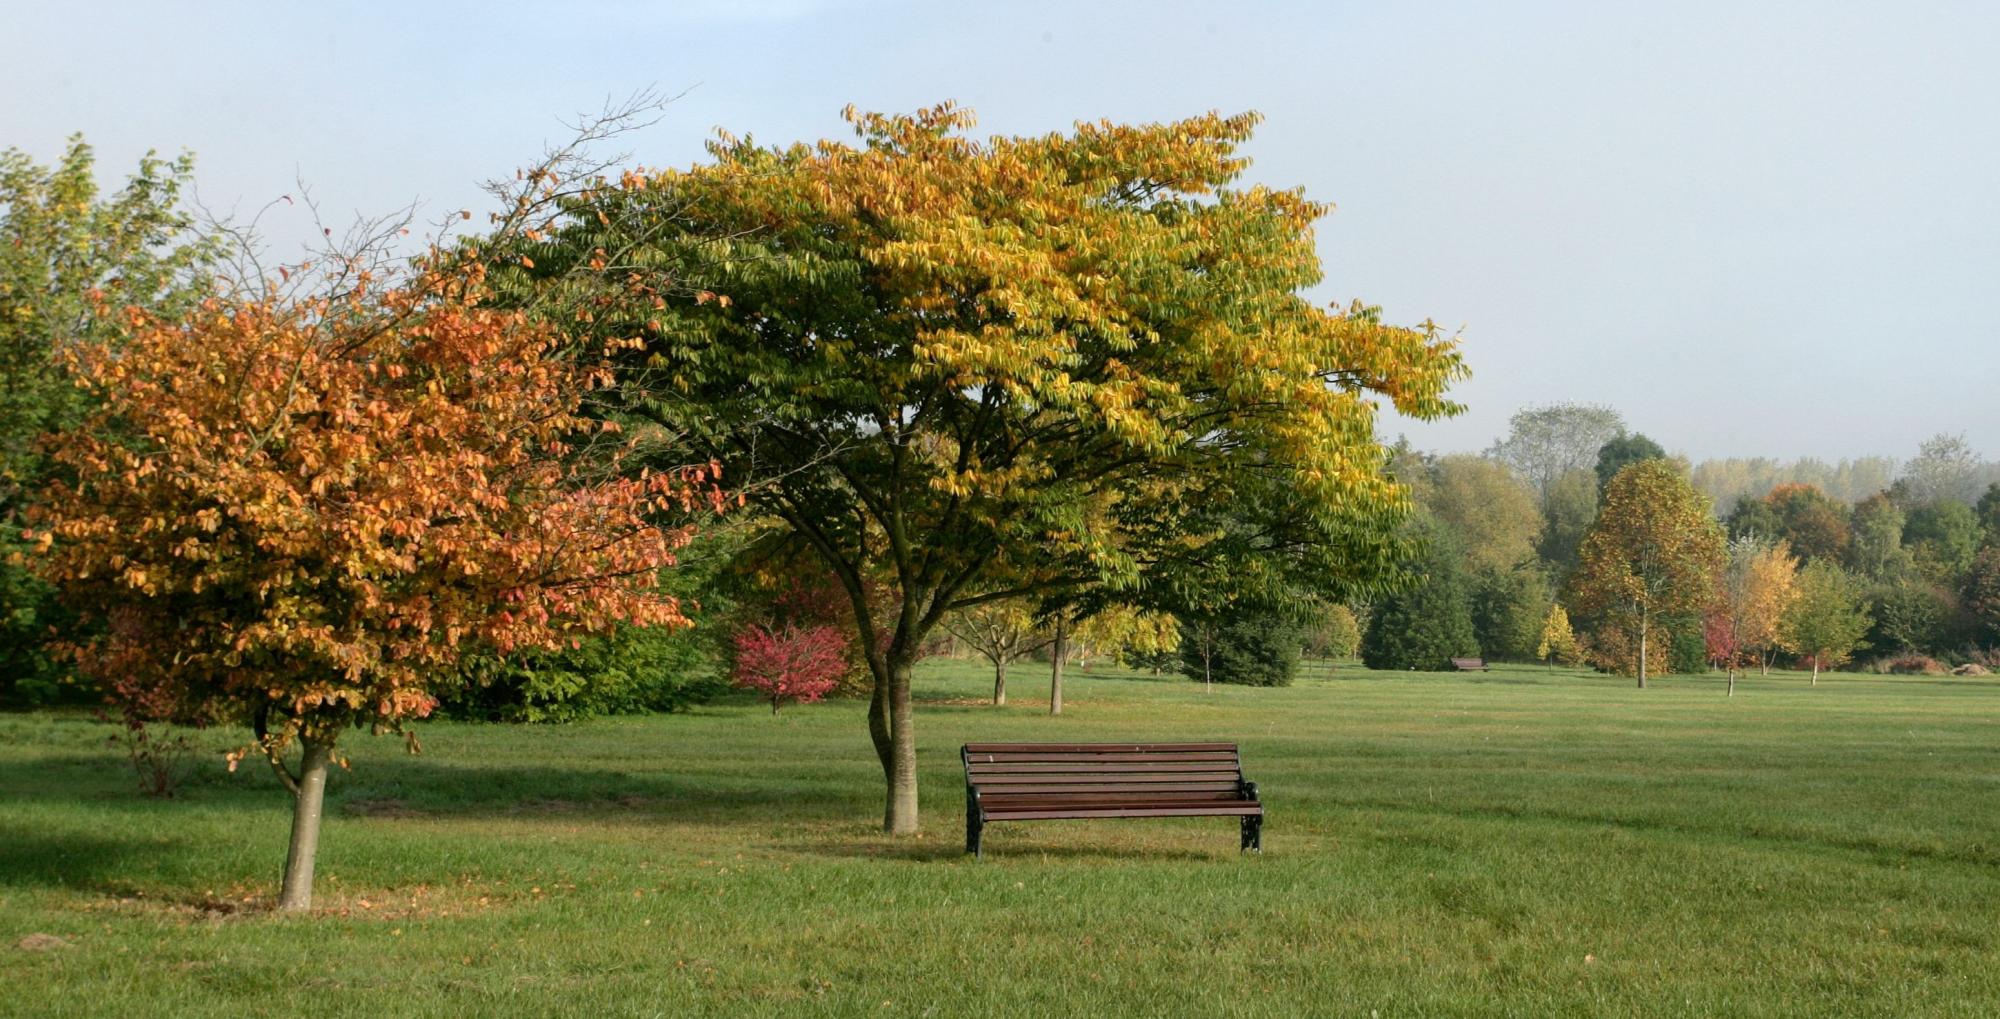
(791, 664)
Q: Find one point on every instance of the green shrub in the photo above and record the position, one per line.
(1428, 623)
(1249, 648)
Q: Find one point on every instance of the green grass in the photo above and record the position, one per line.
(1518, 843)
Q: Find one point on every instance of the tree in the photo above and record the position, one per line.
(1569, 510)
(1942, 538)
(304, 512)
(1876, 548)
(1493, 514)
(1910, 615)
(1753, 591)
(1653, 552)
(1946, 469)
(1248, 647)
(1067, 358)
(1558, 641)
(1828, 620)
(1508, 610)
(1622, 452)
(1809, 521)
(1429, 621)
(789, 663)
(1002, 631)
(1982, 596)
(1333, 632)
(1545, 443)
(63, 246)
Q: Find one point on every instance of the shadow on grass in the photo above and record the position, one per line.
(29, 857)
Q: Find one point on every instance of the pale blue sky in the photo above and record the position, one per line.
(1756, 229)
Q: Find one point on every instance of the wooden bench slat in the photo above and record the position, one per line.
(1203, 810)
(981, 748)
(1090, 767)
(1216, 757)
(1034, 789)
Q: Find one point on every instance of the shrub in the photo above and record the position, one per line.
(1916, 665)
(1427, 624)
(798, 664)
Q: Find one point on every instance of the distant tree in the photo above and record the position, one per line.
(1493, 513)
(1332, 632)
(1622, 452)
(1249, 646)
(1982, 597)
(1942, 538)
(1910, 614)
(1568, 511)
(1755, 518)
(1545, 443)
(1753, 592)
(1508, 610)
(1558, 642)
(1946, 469)
(1117, 628)
(1653, 553)
(1875, 549)
(302, 511)
(1988, 511)
(1428, 623)
(1828, 620)
(1811, 523)
(789, 664)
(1002, 631)
(64, 245)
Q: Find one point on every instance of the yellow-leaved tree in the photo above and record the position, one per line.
(978, 370)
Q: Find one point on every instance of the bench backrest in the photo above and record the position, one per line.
(1468, 663)
(1126, 772)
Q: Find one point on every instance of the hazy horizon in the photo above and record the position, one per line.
(1754, 233)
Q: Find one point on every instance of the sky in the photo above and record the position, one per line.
(1755, 229)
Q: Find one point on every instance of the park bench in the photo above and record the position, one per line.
(1470, 665)
(1052, 781)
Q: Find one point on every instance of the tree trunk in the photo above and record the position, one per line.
(1732, 680)
(899, 816)
(1061, 651)
(1815, 681)
(999, 682)
(1642, 649)
(308, 802)
(1207, 655)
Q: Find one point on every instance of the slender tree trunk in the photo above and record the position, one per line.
(1732, 680)
(1815, 680)
(1207, 656)
(900, 814)
(1643, 621)
(999, 682)
(1061, 651)
(308, 803)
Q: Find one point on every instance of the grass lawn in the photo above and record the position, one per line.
(1517, 843)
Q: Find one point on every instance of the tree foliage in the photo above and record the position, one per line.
(1545, 443)
(1429, 621)
(64, 247)
(1248, 647)
(1652, 554)
(789, 664)
(1040, 366)
(305, 513)
(1558, 641)
(1828, 620)
(1621, 452)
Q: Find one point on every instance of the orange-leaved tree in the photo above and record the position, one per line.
(299, 512)
(1653, 553)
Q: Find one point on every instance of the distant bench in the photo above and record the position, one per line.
(1470, 664)
(1050, 781)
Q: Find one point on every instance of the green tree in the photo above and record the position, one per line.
(1876, 548)
(1493, 513)
(1429, 621)
(1988, 511)
(1623, 452)
(1508, 610)
(1568, 511)
(1911, 614)
(1982, 596)
(1653, 554)
(1827, 619)
(1061, 366)
(64, 246)
(1332, 632)
(1810, 522)
(1942, 538)
(1251, 646)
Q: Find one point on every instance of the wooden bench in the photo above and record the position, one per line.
(1470, 665)
(1050, 781)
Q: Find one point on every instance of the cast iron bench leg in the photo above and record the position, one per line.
(973, 826)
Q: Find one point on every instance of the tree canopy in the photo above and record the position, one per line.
(1046, 366)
